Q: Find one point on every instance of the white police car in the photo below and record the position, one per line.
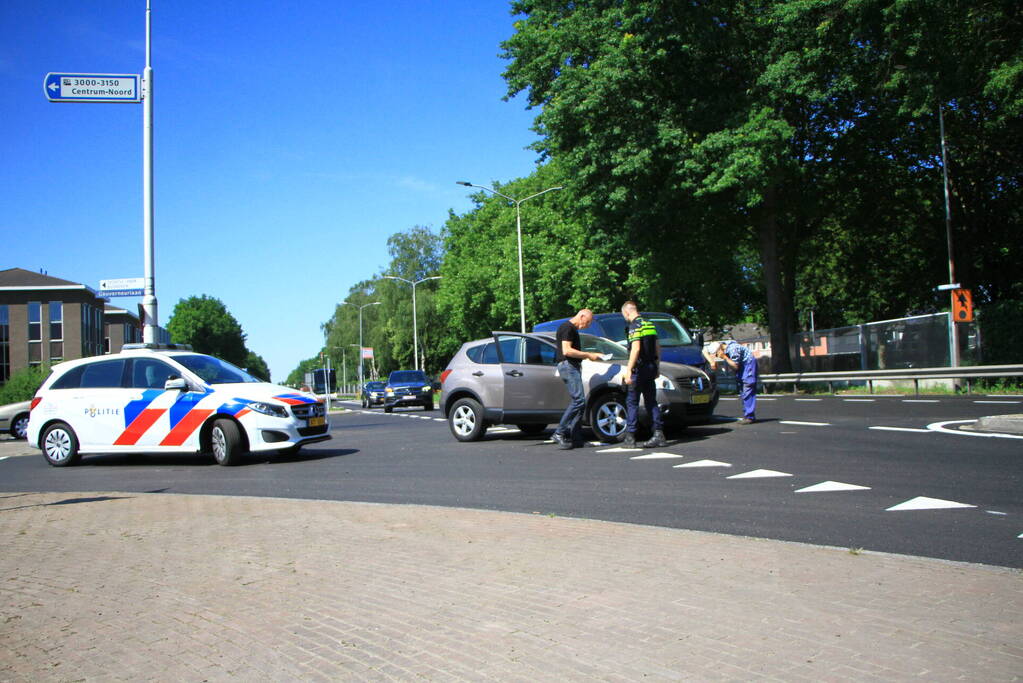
(163, 398)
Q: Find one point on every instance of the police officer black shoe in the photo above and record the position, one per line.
(629, 441)
(656, 441)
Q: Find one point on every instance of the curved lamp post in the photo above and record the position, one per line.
(518, 231)
(372, 303)
(415, 332)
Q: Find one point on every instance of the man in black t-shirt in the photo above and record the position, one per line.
(569, 358)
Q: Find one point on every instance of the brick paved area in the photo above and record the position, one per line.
(117, 586)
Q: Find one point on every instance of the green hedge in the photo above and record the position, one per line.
(23, 384)
(1001, 329)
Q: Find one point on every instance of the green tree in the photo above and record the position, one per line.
(760, 129)
(205, 323)
(256, 366)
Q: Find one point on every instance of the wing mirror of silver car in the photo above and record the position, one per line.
(175, 384)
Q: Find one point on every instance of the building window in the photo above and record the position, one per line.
(34, 321)
(56, 351)
(5, 345)
(56, 321)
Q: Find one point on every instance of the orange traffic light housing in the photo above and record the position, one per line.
(962, 306)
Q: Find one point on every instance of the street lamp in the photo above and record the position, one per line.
(372, 303)
(952, 285)
(415, 332)
(518, 231)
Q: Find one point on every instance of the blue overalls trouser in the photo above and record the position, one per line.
(747, 376)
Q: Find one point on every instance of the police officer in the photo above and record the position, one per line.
(641, 375)
(741, 360)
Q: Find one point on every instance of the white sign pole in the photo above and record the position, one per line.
(149, 298)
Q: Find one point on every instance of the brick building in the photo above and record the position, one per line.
(44, 320)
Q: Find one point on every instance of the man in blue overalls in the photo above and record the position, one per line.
(744, 364)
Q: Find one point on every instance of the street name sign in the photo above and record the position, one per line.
(122, 286)
(60, 87)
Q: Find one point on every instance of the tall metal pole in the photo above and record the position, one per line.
(518, 232)
(149, 307)
(360, 346)
(522, 284)
(415, 330)
(954, 331)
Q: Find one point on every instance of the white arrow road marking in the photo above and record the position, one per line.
(925, 503)
(656, 456)
(758, 474)
(903, 429)
(704, 463)
(805, 424)
(829, 486)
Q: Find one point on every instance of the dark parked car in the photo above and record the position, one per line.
(408, 388)
(373, 394)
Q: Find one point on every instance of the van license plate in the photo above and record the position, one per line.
(316, 421)
(700, 398)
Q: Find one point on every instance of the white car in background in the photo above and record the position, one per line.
(14, 419)
(163, 398)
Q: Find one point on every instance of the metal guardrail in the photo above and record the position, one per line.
(967, 373)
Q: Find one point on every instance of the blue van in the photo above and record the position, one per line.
(677, 346)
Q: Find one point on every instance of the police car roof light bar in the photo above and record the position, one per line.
(157, 347)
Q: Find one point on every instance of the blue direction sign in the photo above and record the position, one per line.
(92, 87)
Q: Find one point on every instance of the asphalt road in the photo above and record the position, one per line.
(955, 495)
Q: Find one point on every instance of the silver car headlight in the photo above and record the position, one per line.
(271, 409)
(663, 382)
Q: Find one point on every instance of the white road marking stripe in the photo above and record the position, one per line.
(656, 456)
(728, 398)
(925, 503)
(1005, 395)
(759, 474)
(920, 400)
(703, 463)
(809, 399)
(903, 429)
(805, 424)
(859, 400)
(940, 427)
(998, 402)
(996, 512)
(4, 457)
(439, 419)
(829, 486)
(619, 449)
(765, 398)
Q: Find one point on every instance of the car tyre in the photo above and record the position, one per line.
(226, 443)
(466, 420)
(532, 429)
(608, 418)
(428, 406)
(19, 426)
(60, 445)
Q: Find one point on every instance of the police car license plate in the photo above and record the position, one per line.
(700, 398)
(316, 421)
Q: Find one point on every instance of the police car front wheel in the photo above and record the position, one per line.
(226, 443)
(60, 445)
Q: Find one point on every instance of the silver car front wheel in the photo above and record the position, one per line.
(609, 418)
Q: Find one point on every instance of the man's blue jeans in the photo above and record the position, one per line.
(570, 426)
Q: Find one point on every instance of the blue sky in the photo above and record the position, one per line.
(291, 139)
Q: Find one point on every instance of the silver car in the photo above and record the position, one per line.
(511, 378)
(14, 418)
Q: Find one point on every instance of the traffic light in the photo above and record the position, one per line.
(962, 306)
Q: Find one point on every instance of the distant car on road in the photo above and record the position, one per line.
(408, 387)
(14, 419)
(373, 394)
(511, 378)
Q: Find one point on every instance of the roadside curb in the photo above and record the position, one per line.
(1004, 424)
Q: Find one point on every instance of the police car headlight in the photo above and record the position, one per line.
(664, 383)
(268, 409)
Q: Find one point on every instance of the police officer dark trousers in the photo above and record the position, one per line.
(641, 376)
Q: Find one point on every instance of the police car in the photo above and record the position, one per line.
(162, 398)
